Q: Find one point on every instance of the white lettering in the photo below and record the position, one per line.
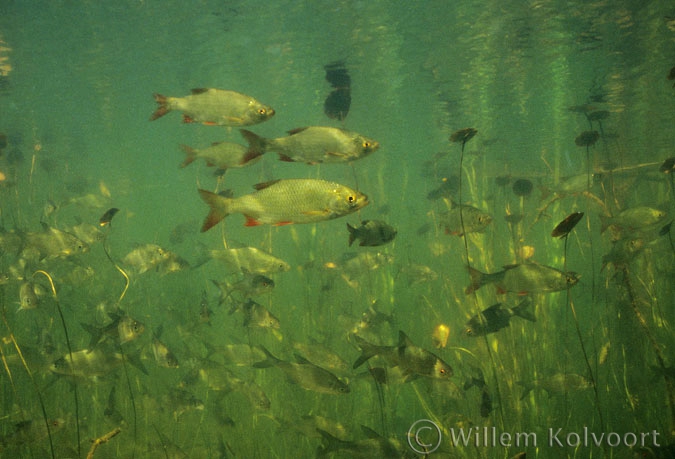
(505, 439)
(554, 437)
(609, 439)
(462, 438)
(627, 442)
(527, 438)
(569, 436)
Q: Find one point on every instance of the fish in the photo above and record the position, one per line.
(163, 355)
(53, 243)
(286, 201)
(146, 257)
(87, 363)
(248, 286)
(418, 274)
(634, 218)
(523, 279)
(495, 318)
(204, 311)
(623, 252)
(182, 401)
(336, 105)
(106, 218)
(121, 330)
(486, 400)
(306, 374)
(28, 295)
(256, 315)
(372, 320)
(475, 220)
(375, 445)
(224, 155)
(317, 144)
(221, 379)
(28, 432)
(563, 228)
(371, 233)
(308, 425)
(413, 360)
(558, 383)
(87, 233)
(218, 107)
(249, 261)
(322, 356)
(354, 266)
(240, 355)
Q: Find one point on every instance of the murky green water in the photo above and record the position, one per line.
(76, 93)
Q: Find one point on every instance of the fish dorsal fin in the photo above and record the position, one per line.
(301, 360)
(370, 433)
(196, 91)
(263, 185)
(296, 130)
(494, 307)
(403, 340)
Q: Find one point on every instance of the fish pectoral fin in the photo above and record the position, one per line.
(250, 221)
(286, 158)
(187, 119)
(283, 223)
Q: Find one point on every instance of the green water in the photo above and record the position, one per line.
(76, 86)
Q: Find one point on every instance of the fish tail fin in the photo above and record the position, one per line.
(368, 350)
(257, 145)
(163, 108)
(605, 222)
(477, 280)
(330, 444)
(270, 361)
(219, 208)
(525, 310)
(352, 234)
(190, 155)
(95, 334)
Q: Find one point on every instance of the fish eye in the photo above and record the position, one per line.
(366, 144)
(351, 199)
(262, 111)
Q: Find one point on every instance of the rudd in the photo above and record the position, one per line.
(523, 279)
(283, 202)
(215, 107)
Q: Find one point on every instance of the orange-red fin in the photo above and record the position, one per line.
(163, 108)
(250, 221)
(283, 223)
(187, 119)
(209, 123)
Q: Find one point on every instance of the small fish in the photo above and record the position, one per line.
(634, 218)
(336, 105)
(121, 330)
(558, 383)
(182, 401)
(375, 445)
(257, 316)
(286, 201)
(306, 375)
(495, 318)
(354, 266)
(224, 155)
(163, 355)
(475, 220)
(523, 279)
(413, 360)
(87, 233)
(221, 379)
(215, 107)
(308, 425)
(249, 286)
(440, 336)
(240, 355)
(107, 217)
(322, 356)
(564, 227)
(371, 233)
(146, 257)
(418, 274)
(317, 144)
(249, 261)
(204, 311)
(28, 296)
(372, 320)
(623, 252)
(53, 243)
(87, 363)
